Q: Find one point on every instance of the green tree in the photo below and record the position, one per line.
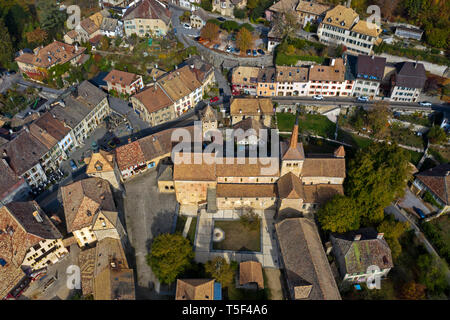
(50, 17)
(438, 37)
(244, 39)
(6, 49)
(339, 215)
(436, 135)
(412, 291)
(377, 118)
(221, 271)
(239, 13)
(393, 230)
(206, 4)
(230, 25)
(432, 273)
(170, 255)
(252, 4)
(376, 176)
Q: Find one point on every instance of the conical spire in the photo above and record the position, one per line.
(295, 150)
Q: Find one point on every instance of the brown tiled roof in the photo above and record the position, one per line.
(248, 168)
(359, 255)
(321, 193)
(89, 26)
(83, 199)
(341, 17)
(129, 155)
(340, 152)
(312, 7)
(266, 75)
(328, 73)
(191, 171)
(245, 75)
(291, 74)
(112, 284)
(209, 114)
(24, 152)
(109, 250)
(195, 289)
(367, 28)
(251, 271)
(250, 123)
(154, 98)
(437, 179)
(9, 181)
(86, 262)
(284, 5)
(101, 159)
(179, 83)
(148, 9)
(121, 77)
(290, 187)
(20, 231)
(48, 130)
(250, 106)
(246, 190)
(324, 167)
(54, 53)
(72, 34)
(304, 261)
(147, 148)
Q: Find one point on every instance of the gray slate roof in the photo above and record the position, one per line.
(305, 263)
(410, 75)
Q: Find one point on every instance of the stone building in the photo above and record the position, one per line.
(101, 165)
(259, 109)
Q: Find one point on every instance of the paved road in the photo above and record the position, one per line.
(353, 101)
(147, 214)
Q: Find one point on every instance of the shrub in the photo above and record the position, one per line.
(249, 219)
(239, 13)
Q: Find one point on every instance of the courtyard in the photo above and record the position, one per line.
(236, 237)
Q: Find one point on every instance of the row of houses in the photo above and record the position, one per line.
(349, 76)
(31, 242)
(38, 148)
(174, 93)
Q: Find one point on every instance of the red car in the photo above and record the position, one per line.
(215, 99)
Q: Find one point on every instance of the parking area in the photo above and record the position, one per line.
(148, 213)
(413, 204)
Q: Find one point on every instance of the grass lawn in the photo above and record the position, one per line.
(437, 232)
(181, 221)
(353, 139)
(192, 230)
(237, 237)
(415, 156)
(308, 123)
(441, 155)
(242, 294)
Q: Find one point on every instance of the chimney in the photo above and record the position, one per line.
(37, 216)
(332, 62)
(380, 236)
(357, 237)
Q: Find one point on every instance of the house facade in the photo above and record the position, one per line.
(148, 17)
(124, 82)
(226, 7)
(407, 82)
(368, 74)
(341, 25)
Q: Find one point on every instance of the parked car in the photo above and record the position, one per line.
(249, 52)
(237, 50)
(216, 46)
(215, 99)
(318, 97)
(419, 212)
(363, 98)
(73, 165)
(425, 103)
(261, 51)
(228, 49)
(220, 91)
(186, 26)
(254, 53)
(221, 19)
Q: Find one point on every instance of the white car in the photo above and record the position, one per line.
(318, 97)
(186, 26)
(363, 98)
(425, 103)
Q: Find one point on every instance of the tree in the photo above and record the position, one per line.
(438, 37)
(287, 23)
(432, 273)
(436, 135)
(339, 215)
(387, 7)
(239, 13)
(244, 39)
(393, 230)
(37, 36)
(377, 118)
(6, 48)
(169, 256)
(412, 291)
(219, 269)
(210, 31)
(376, 176)
(230, 25)
(104, 43)
(206, 4)
(50, 17)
